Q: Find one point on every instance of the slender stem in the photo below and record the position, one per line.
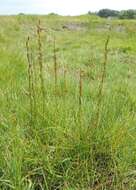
(33, 71)
(40, 61)
(102, 82)
(29, 75)
(65, 80)
(80, 88)
(55, 65)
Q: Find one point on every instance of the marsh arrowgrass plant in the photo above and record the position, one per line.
(55, 152)
(40, 62)
(102, 80)
(30, 78)
(55, 64)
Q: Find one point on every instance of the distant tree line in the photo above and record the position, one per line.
(124, 14)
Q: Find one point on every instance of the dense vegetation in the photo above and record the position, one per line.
(124, 14)
(67, 103)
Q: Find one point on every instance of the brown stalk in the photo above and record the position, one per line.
(55, 65)
(65, 80)
(29, 75)
(80, 97)
(34, 82)
(101, 86)
(80, 88)
(40, 62)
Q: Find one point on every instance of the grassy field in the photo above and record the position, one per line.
(67, 103)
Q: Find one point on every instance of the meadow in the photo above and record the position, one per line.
(67, 103)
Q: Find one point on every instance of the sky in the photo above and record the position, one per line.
(63, 7)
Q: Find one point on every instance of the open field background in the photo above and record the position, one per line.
(75, 132)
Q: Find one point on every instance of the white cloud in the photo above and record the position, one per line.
(65, 7)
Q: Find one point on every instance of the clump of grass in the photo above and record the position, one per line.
(65, 156)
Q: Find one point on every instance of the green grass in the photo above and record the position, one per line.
(63, 149)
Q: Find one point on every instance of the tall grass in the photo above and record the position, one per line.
(95, 151)
(64, 150)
